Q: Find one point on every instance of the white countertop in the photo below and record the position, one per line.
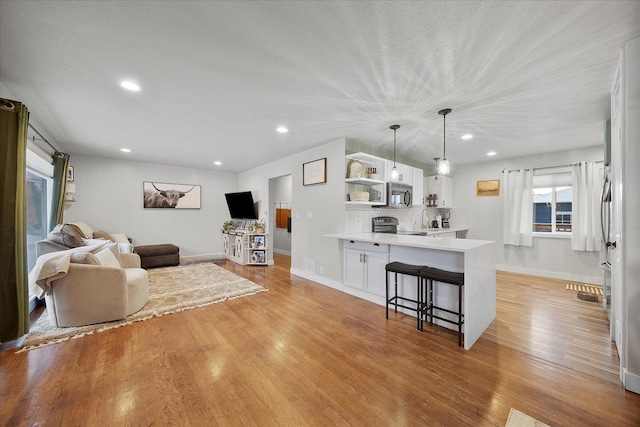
(427, 242)
(430, 231)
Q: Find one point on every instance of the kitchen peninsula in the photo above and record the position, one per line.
(475, 258)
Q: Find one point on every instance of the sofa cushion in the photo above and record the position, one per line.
(102, 235)
(68, 235)
(86, 230)
(107, 258)
(125, 248)
(114, 247)
(120, 238)
(92, 242)
(85, 258)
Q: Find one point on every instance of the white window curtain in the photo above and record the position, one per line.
(587, 187)
(518, 207)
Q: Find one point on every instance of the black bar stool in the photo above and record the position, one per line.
(409, 270)
(431, 275)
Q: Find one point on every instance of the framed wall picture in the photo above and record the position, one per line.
(177, 196)
(490, 187)
(70, 174)
(314, 172)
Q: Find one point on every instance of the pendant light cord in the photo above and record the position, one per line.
(394, 148)
(444, 113)
(444, 139)
(395, 128)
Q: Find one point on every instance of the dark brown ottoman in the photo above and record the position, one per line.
(158, 255)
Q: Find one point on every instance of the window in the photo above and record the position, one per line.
(552, 203)
(38, 201)
(552, 210)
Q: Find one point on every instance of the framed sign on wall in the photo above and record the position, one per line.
(176, 196)
(314, 172)
(490, 187)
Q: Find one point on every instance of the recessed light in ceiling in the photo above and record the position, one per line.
(491, 153)
(217, 163)
(282, 129)
(467, 136)
(129, 85)
(125, 150)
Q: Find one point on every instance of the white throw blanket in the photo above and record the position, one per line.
(53, 266)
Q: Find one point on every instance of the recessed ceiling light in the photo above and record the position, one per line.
(467, 136)
(491, 153)
(282, 129)
(217, 163)
(125, 150)
(129, 85)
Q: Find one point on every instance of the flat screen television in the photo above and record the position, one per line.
(241, 205)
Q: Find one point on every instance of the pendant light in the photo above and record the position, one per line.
(394, 172)
(436, 159)
(443, 166)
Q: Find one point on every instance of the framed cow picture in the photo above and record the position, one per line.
(172, 196)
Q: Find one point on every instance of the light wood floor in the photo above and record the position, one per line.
(303, 354)
(540, 317)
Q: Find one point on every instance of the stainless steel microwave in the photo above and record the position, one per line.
(399, 195)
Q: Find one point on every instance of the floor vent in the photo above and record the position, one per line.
(587, 296)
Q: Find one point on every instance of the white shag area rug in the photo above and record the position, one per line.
(519, 419)
(171, 290)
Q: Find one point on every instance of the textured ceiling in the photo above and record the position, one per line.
(217, 78)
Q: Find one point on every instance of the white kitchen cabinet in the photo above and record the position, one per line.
(440, 185)
(364, 266)
(365, 174)
(418, 187)
(405, 173)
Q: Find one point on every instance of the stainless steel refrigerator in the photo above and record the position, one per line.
(625, 213)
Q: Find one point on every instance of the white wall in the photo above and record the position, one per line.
(109, 197)
(324, 202)
(550, 257)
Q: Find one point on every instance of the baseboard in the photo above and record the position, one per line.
(631, 381)
(340, 287)
(33, 303)
(551, 274)
(318, 279)
(281, 252)
(212, 255)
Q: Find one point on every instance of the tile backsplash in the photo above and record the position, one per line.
(358, 218)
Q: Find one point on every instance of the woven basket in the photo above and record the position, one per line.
(359, 196)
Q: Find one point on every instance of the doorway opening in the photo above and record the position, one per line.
(280, 195)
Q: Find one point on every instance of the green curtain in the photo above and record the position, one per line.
(14, 287)
(60, 167)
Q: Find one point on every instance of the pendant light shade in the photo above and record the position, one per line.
(394, 172)
(443, 166)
